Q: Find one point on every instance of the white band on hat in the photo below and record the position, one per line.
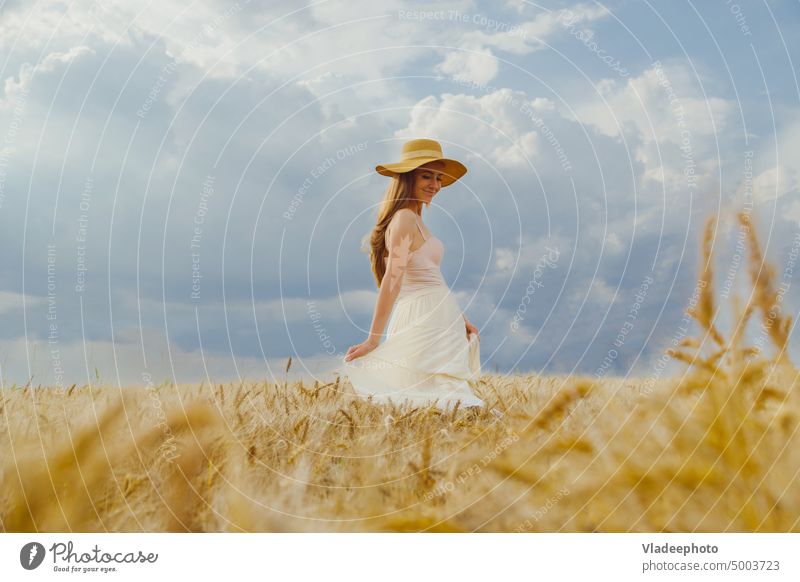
(424, 154)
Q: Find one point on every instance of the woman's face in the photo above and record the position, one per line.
(427, 181)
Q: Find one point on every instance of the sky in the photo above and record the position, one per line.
(184, 186)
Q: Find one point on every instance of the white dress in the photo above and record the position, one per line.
(426, 357)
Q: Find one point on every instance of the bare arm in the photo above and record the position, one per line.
(387, 295)
(399, 234)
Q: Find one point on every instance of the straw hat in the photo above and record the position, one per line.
(421, 151)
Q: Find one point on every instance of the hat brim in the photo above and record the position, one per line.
(453, 169)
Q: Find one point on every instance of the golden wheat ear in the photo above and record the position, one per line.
(704, 311)
(765, 296)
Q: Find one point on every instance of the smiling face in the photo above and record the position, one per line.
(428, 181)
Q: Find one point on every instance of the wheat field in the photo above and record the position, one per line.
(712, 449)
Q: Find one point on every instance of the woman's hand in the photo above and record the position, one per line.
(361, 349)
(471, 329)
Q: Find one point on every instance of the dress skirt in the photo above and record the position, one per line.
(425, 358)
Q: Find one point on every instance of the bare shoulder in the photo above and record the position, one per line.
(404, 215)
(401, 227)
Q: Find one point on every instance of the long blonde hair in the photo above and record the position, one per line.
(398, 195)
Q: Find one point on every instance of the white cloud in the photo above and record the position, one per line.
(535, 257)
(518, 38)
(518, 153)
(493, 124)
(792, 212)
(773, 183)
(298, 309)
(656, 113)
(477, 66)
(503, 259)
(779, 156)
(224, 39)
(613, 245)
(11, 301)
(670, 126)
(530, 36)
(520, 335)
(601, 293)
(198, 33)
(15, 90)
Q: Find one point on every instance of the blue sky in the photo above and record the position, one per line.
(183, 189)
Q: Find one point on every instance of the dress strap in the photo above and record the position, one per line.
(420, 231)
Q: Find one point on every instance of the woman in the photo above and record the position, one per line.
(431, 353)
